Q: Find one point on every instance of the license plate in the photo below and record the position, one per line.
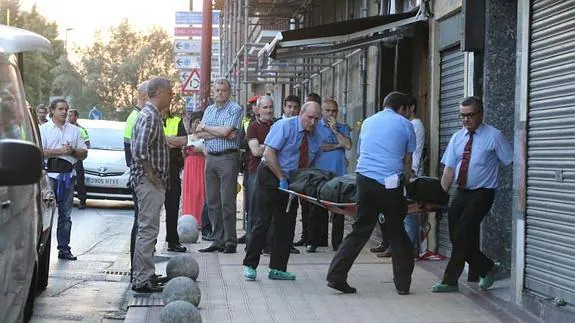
(102, 181)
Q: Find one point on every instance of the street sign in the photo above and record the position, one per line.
(195, 17)
(192, 83)
(193, 31)
(187, 62)
(184, 75)
(192, 103)
(187, 46)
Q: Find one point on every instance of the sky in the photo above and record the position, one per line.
(85, 17)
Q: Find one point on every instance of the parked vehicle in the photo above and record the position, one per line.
(27, 204)
(106, 173)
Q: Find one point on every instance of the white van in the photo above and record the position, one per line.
(27, 205)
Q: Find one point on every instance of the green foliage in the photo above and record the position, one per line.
(37, 67)
(114, 69)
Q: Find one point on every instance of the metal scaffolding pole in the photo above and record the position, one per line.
(246, 31)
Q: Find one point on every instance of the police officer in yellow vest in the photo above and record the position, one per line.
(174, 127)
(73, 115)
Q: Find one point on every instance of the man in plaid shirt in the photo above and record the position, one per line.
(219, 129)
(149, 177)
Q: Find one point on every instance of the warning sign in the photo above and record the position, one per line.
(192, 83)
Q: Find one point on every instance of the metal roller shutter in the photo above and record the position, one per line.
(550, 214)
(451, 92)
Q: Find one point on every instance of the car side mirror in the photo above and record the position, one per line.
(58, 165)
(20, 162)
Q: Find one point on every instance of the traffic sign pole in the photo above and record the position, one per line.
(206, 55)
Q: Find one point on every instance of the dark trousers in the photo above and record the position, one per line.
(246, 185)
(271, 203)
(206, 225)
(80, 181)
(134, 232)
(172, 205)
(374, 198)
(318, 227)
(466, 212)
(305, 215)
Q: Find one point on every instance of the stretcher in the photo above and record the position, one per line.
(350, 209)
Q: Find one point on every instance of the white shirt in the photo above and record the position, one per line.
(54, 138)
(419, 143)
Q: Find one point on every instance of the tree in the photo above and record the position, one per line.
(37, 67)
(113, 70)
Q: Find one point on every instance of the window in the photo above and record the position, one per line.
(14, 123)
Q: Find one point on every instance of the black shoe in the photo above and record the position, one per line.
(176, 247)
(82, 205)
(299, 243)
(230, 249)
(148, 287)
(402, 292)
(380, 248)
(212, 249)
(310, 248)
(294, 250)
(242, 239)
(266, 251)
(335, 246)
(342, 287)
(67, 256)
(207, 237)
(159, 279)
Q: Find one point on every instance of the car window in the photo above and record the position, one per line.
(14, 123)
(106, 138)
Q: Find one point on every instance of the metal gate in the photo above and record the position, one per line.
(451, 92)
(550, 213)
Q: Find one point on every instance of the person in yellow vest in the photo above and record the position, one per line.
(80, 179)
(174, 127)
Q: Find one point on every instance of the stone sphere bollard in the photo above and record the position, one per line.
(188, 229)
(182, 289)
(180, 312)
(183, 265)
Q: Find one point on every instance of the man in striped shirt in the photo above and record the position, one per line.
(219, 129)
(149, 177)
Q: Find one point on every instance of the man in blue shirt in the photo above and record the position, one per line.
(336, 140)
(291, 144)
(387, 142)
(472, 158)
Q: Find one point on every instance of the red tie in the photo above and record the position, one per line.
(464, 168)
(303, 151)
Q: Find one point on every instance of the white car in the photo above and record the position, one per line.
(106, 173)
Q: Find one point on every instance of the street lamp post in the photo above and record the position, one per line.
(66, 42)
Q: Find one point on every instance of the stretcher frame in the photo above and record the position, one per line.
(350, 209)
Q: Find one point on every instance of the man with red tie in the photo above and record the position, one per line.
(292, 143)
(472, 158)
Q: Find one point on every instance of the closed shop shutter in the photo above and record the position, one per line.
(451, 92)
(550, 211)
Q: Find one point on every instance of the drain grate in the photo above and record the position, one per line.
(116, 272)
(145, 300)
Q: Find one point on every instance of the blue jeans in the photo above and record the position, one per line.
(411, 225)
(65, 205)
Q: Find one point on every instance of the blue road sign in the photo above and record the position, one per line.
(195, 18)
(95, 114)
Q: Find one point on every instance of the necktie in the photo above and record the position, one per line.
(464, 168)
(303, 152)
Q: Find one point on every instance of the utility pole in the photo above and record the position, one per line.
(206, 54)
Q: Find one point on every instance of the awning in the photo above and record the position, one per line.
(340, 36)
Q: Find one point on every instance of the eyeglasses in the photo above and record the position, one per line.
(468, 115)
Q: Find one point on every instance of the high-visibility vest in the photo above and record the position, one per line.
(171, 126)
(84, 134)
(130, 122)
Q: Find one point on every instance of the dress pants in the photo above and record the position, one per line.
(271, 203)
(80, 181)
(172, 205)
(221, 184)
(466, 212)
(374, 198)
(134, 232)
(318, 227)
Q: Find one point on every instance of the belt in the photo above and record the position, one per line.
(225, 152)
